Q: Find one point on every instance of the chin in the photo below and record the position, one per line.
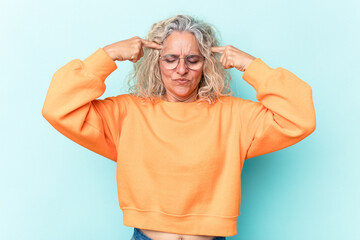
(182, 94)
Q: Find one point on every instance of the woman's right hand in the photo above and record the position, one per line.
(129, 49)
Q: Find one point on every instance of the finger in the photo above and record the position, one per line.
(222, 57)
(135, 60)
(219, 49)
(138, 55)
(229, 62)
(150, 44)
(141, 53)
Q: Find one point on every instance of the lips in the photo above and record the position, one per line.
(182, 80)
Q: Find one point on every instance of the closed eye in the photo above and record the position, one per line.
(193, 61)
(169, 60)
(193, 58)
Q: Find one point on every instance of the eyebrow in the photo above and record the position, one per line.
(177, 55)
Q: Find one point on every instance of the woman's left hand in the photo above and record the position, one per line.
(233, 57)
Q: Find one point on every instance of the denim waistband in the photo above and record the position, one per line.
(138, 235)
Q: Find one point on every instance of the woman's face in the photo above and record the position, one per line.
(182, 44)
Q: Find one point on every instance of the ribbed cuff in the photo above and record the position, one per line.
(100, 64)
(256, 72)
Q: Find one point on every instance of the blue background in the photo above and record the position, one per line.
(52, 188)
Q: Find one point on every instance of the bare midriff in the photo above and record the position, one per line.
(156, 235)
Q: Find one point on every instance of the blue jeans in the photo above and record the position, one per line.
(138, 235)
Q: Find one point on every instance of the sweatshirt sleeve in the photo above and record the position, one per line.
(283, 116)
(71, 106)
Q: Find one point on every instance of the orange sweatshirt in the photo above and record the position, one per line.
(178, 165)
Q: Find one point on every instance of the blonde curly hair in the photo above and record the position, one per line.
(145, 79)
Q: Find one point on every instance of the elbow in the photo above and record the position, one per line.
(44, 113)
(304, 127)
(310, 125)
(47, 114)
(309, 128)
(309, 117)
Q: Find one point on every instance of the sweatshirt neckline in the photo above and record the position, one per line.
(178, 104)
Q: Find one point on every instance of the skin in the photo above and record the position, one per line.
(183, 44)
(231, 57)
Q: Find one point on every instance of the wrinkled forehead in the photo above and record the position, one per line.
(181, 43)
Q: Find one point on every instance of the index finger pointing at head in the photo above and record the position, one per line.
(150, 44)
(217, 49)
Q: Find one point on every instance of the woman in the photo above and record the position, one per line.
(179, 138)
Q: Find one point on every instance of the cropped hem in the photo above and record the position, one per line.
(187, 224)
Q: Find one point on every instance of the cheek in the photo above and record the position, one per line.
(165, 75)
(197, 75)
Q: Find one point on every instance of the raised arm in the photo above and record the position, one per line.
(285, 113)
(71, 106)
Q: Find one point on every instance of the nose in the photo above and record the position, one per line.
(182, 68)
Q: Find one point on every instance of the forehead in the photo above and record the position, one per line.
(181, 43)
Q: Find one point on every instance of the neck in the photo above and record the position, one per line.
(170, 97)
